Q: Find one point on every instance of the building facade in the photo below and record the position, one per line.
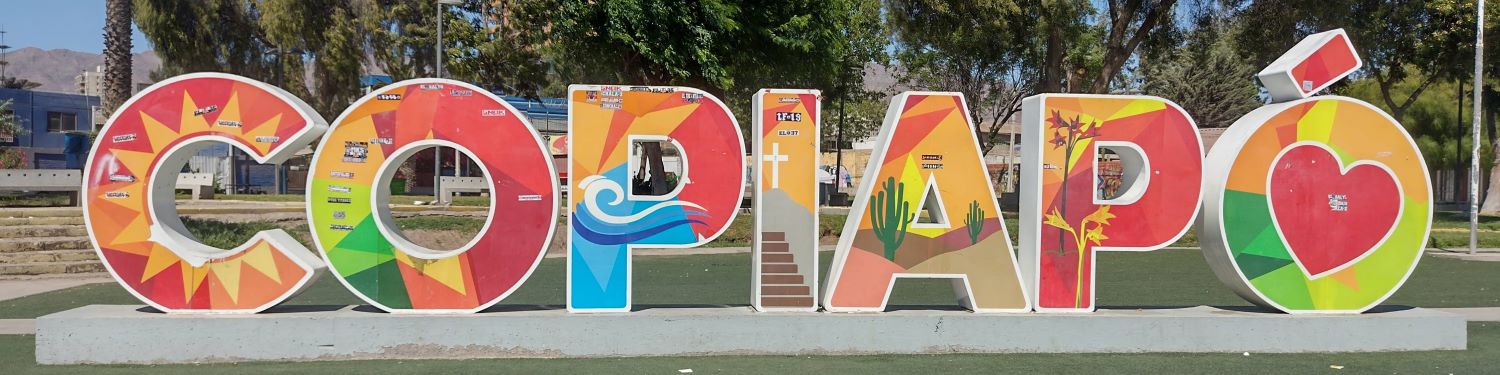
(47, 118)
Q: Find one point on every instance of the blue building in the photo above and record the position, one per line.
(48, 117)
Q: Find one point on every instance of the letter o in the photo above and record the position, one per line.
(1318, 205)
(352, 227)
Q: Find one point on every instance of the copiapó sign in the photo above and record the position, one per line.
(1307, 205)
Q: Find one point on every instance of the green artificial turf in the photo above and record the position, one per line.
(1160, 278)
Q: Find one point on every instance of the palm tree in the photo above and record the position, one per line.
(18, 83)
(117, 15)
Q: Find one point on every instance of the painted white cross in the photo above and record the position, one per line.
(775, 158)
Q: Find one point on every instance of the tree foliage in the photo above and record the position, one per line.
(1082, 49)
(17, 83)
(262, 40)
(1429, 41)
(1205, 76)
(1433, 119)
(10, 124)
(727, 48)
(975, 48)
(208, 35)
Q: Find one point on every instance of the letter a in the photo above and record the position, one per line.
(926, 209)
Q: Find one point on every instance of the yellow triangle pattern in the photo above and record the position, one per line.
(447, 271)
(159, 260)
(1317, 124)
(227, 271)
(156, 132)
(191, 123)
(259, 258)
(1138, 106)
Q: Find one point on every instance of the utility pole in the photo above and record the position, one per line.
(1474, 152)
(844, 91)
(1458, 152)
(3, 52)
(437, 152)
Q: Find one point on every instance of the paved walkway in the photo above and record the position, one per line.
(17, 287)
(17, 326)
(12, 288)
(1475, 314)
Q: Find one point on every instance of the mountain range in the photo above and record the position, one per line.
(55, 69)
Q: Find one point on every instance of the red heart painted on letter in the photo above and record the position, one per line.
(1330, 216)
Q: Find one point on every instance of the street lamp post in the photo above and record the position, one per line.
(838, 144)
(1474, 152)
(3, 50)
(437, 153)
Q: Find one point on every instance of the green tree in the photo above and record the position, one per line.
(1077, 48)
(1205, 76)
(209, 35)
(1411, 49)
(1429, 41)
(974, 48)
(13, 82)
(278, 41)
(10, 127)
(496, 44)
(727, 48)
(863, 116)
(723, 47)
(322, 33)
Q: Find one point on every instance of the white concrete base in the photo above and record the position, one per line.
(132, 334)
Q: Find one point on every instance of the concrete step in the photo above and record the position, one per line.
(45, 268)
(786, 301)
(778, 268)
(41, 220)
(775, 247)
(15, 245)
(785, 290)
(780, 279)
(776, 258)
(56, 230)
(49, 256)
(21, 212)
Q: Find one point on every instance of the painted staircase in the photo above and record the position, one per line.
(781, 283)
(40, 241)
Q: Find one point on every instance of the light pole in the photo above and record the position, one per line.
(439, 50)
(3, 48)
(1474, 152)
(437, 152)
(838, 144)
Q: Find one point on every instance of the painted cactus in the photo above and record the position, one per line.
(890, 215)
(974, 222)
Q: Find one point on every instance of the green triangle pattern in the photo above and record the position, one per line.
(1268, 244)
(1254, 266)
(383, 284)
(1246, 217)
(366, 238)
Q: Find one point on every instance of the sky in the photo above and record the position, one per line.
(51, 24)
